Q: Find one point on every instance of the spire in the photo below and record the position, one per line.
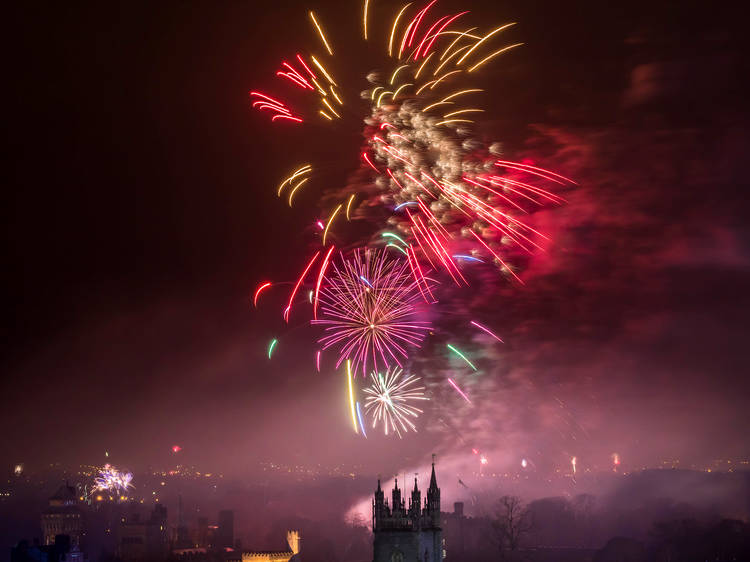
(432, 507)
(379, 497)
(379, 509)
(433, 479)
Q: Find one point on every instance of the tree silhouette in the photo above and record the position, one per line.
(511, 523)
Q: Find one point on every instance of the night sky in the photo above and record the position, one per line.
(139, 214)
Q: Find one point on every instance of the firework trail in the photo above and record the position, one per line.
(390, 398)
(367, 309)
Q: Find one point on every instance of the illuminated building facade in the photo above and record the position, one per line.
(63, 517)
(292, 538)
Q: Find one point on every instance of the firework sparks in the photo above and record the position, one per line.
(390, 401)
(453, 205)
(351, 394)
(258, 291)
(272, 346)
(461, 355)
(367, 307)
(485, 330)
(361, 422)
(474, 195)
(460, 392)
(112, 480)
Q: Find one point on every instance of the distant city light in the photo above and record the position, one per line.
(176, 448)
(18, 469)
(524, 463)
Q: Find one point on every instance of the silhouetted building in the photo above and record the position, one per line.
(201, 534)
(407, 535)
(63, 517)
(144, 539)
(466, 538)
(182, 541)
(225, 532)
(60, 551)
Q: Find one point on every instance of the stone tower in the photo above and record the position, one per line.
(410, 534)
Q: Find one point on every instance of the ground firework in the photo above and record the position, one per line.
(112, 480)
(390, 399)
(368, 308)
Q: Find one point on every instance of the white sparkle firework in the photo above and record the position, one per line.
(390, 400)
(112, 480)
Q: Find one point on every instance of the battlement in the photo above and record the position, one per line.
(292, 537)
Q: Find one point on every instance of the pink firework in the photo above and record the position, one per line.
(368, 305)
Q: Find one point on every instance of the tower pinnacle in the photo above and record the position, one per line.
(433, 479)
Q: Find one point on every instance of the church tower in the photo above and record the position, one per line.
(413, 535)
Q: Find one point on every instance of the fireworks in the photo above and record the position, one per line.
(368, 310)
(440, 204)
(461, 355)
(485, 330)
(258, 291)
(446, 190)
(460, 392)
(112, 480)
(272, 346)
(390, 401)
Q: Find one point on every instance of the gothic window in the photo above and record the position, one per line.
(397, 556)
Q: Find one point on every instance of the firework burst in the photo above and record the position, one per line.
(112, 480)
(436, 199)
(390, 401)
(368, 308)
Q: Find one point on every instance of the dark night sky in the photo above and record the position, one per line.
(139, 213)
